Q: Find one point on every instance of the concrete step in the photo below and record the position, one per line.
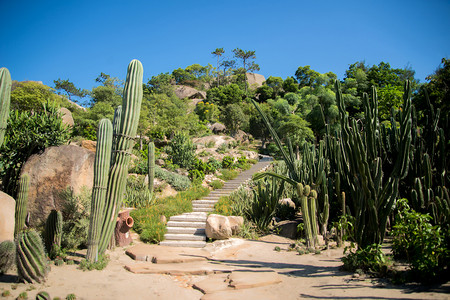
(186, 224)
(184, 237)
(189, 218)
(185, 230)
(204, 202)
(189, 244)
(203, 209)
(202, 205)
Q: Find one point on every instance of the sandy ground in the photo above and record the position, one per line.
(310, 276)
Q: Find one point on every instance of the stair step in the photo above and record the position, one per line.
(186, 224)
(184, 237)
(203, 209)
(202, 205)
(189, 218)
(186, 230)
(204, 201)
(190, 244)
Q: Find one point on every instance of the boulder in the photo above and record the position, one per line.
(288, 202)
(220, 227)
(88, 144)
(7, 211)
(66, 116)
(218, 128)
(288, 229)
(53, 172)
(183, 91)
(255, 80)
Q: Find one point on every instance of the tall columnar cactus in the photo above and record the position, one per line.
(53, 230)
(372, 190)
(21, 203)
(131, 106)
(5, 99)
(7, 255)
(101, 170)
(31, 259)
(151, 169)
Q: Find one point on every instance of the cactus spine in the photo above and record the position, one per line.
(151, 169)
(53, 230)
(21, 203)
(101, 169)
(131, 106)
(5, 99)
(7, 255)
(31, 259)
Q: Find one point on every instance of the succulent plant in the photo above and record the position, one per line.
(7, 255)
(53, 230)
(21, 203)
(31, 258)
(5, 99)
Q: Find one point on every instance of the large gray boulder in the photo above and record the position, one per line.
(66, 116)
(53, 172)
(183, 91)
(7, 210)
(220, 227)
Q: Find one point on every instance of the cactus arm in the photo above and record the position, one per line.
(21, 203)
(5, 100)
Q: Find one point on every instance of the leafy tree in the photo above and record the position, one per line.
(276, 83)
(181, 76)
(218, 53)
(233, 117)
(181, 151)
(248, 65)
(26, 134)
(225, 95)
(30, 95)
(305, 76)
(290, 85)
(297, 130)
(227, 65)
(160, 84)
(257, 127)
(264, 93)
(69, 88)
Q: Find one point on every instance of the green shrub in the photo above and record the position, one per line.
(235, 204)
(22, 296)
(228, 162)
(137, 193)
(76, 212)
(26, 134)
(424, 246)
(100, 264)
(371, 260)
(210, 144)
(228, 174)
(223, 206)
(223, 148)
(196, 176)
(178, 182)
(71, 297)
(214, 163)
(216, 184)
(181, 151)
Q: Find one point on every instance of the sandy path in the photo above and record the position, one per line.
(303, 277)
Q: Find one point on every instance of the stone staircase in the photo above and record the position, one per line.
(188, 229)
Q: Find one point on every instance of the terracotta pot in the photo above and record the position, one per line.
(122, 230)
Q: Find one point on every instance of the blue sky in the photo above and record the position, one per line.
(76, 40)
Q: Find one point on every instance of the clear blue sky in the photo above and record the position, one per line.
(76, 40)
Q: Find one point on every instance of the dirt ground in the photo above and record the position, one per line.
(309, 276)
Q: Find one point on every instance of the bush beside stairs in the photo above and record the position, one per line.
(188, 229)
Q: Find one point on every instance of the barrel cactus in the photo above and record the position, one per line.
(7, 255)
(43, 296)
(53, 231)
(31, 258)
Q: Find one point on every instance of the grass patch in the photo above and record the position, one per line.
(147, 220)
(227, 174)
(216, 184)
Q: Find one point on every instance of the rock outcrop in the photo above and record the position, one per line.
(220, 227)
(183, 91)
(8, 207)
(66, 116)
(255, 80)
(53, 172)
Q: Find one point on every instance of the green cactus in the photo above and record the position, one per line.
(5, 99)
(31, 259)
(43, 296)
(7, 255)
(53, 231)
(131, 106)
(151, 169)
(21, 203)
(101, 169)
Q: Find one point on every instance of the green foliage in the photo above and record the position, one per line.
(228, 162)
(178, 182)
(369, 259)
(43, 296)
(181, 151)
(53, 232)
(71, 297)
(69, 89)
(233, 117)
(264, 204)
(76, 213)
(207, 111)
(22, 296)
(424, 246)
(31, 258)
(31, 95)
(147, 220)
(6, 293)
(216, 184)
(99, 264)
(27, 134)
(227, 174)
(223, 206)
(5, 101)
(224, 95)
(137, 193)
(236, 204)
(7, 255)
